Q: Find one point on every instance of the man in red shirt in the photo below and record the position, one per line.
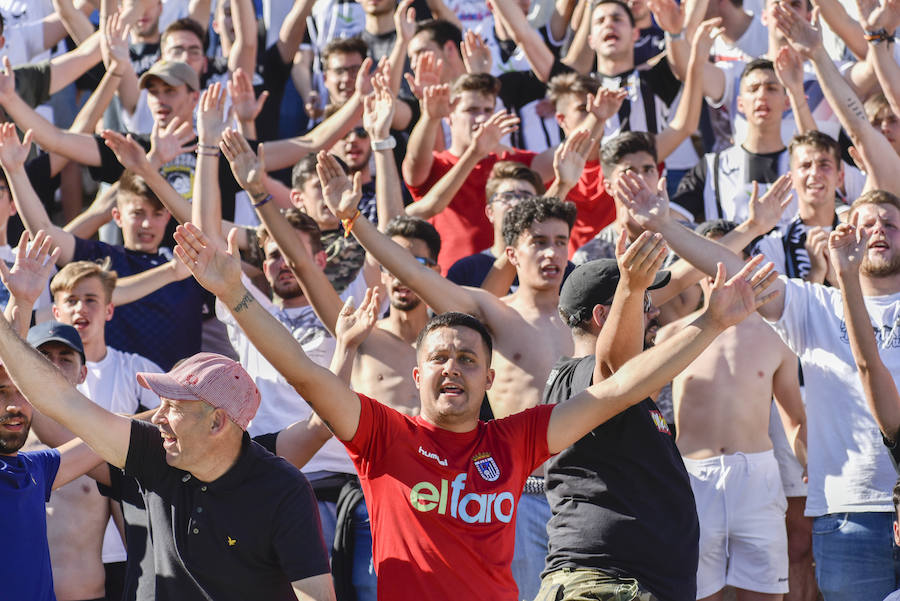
(442, 487)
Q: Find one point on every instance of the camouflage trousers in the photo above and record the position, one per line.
(590, 585)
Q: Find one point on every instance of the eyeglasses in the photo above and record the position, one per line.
(191, 51)
(350, 70)
(510, 198)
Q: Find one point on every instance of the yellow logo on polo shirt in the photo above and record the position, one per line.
(231, 541)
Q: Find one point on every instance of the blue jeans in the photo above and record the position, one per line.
(856, 558)
(532, 516)
(364, 580)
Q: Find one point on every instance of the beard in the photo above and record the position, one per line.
(880, 268)
(286, 290)
(11, 442)
(405, 304)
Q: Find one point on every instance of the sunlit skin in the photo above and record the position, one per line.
(15, 416)
(612, 34)
(184, 46)
(67, 359)
(885, 121)
(355, 150)
(540, 254)
(340, 72)
(309, 199)
(468, 111)
(85, 308)
(147, 25)
(762, 99)
(642, 165)
(571, 111)
(184, 427)
(452, 374)
(399, 296)
(167, 102)
(143, 224)
(816, 176)
(881, 224)
(279, 276)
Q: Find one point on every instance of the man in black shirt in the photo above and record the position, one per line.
(623, 512)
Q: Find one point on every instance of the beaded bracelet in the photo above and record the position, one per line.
(878, 36)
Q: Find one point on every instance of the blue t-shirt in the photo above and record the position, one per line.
(26, 480)
(163, 326)
(895, 596)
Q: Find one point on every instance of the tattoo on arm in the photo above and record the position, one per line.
(244, 304)
(856, 108)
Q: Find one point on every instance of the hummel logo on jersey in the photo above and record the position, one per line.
(473, 508)
(431, 455)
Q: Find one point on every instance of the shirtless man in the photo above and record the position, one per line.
(722, 404)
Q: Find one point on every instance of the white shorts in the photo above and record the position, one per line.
(741, 505)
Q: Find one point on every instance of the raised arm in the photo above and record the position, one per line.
(729, 303)
(68, 67)
(243, 52)
(539, 57)
(877, 18)
(650, 209)
(880, 160)
(139, 285)
(846, 28)
(438, 292)
(81, 148)
(75, 21)
(622, 334)
(789, 70)
(847, 247)
(12, 159)
(220, 273)
(435, 103)
(27, 279)
(378, 114)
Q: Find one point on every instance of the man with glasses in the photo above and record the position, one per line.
(341, 61)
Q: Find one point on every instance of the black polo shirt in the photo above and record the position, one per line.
(247, 535)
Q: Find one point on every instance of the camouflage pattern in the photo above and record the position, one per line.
(345, 258)
(590, 585)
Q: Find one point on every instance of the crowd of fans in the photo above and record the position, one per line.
(449, 299)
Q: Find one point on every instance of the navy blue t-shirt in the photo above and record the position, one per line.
(26, 480)
(164, 326)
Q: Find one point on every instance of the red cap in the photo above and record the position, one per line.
(212, 378)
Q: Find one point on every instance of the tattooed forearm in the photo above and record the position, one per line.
(244, 304)
(852, 103)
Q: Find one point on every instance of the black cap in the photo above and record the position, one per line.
(54, 331)
(594, 283)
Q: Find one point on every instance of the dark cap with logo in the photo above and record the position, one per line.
(54, 331)
(594, 283)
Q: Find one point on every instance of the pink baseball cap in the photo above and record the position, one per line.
(212, 378)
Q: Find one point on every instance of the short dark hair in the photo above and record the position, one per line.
(301, 222)
(415, 228)
(817, 140)
(624, 6)
(354, 45)
(186, 24)
(454, 319)
(507, 170)
(483, 83)
(521, 217)
(132, 184)
(757, 64)
(440, 31)
(612, 153)
(305, 170)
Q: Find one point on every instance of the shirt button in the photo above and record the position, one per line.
(196, 531)
(203, 488)
(186, 477)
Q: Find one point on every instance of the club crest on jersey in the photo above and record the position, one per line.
(486, 466)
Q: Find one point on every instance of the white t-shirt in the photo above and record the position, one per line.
(24, 31)
(112, 384)
(850, 469)
(281, 406)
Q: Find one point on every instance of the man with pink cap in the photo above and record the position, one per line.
(217, 503)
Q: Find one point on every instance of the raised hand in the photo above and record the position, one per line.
(114, 42)
(364, 76)
(487, 136)
(249, 169)
(354, 326)
(436, 101)
(766, 211)
(605, 103)
(803, 36)
(817, 248)
(131, 154)
(12, 152)
(730, 302)
(378, 109)
(475, 53)
(639, 262)
(427, 69)
(789, 69)
(847, 247)
(705, 35)
(7, 81)
(874, 16)
(211, 114)
(217, 270)
(244, 102)
(669, 15)
(405, 21)
(170, 141)
(339, 194)
(34, 263)
(570, 157)
(647, 207)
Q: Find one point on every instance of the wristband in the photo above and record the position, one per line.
(386, 144)
(879, 35)
(348, 223)
(208, 147)
(257, 204)
(676, 36)
(201, 153)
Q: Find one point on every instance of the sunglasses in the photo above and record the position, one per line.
(359, 131)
